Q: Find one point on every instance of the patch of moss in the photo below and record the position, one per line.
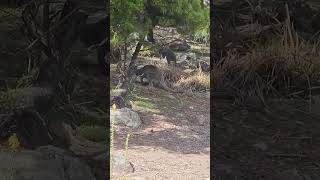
(145, 104)
(8, 100)
(146, 53)
(93, 133)
(9, 19)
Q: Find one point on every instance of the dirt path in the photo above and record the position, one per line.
(174, 139)
(275, 144)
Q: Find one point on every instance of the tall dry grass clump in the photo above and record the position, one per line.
(285, 66)
(195, 80)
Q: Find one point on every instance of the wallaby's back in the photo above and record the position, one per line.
(151, 73)
(154, 77)
(148, 69)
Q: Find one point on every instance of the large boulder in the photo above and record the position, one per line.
(121, 165)
(46, 162)
(125, 116)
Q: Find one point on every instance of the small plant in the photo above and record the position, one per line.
(126, 154)
(13, 143)
(146, 52)
(114, 107)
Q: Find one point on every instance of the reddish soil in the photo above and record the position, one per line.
(173, 142)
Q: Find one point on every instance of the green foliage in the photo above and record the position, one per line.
(8, 100)
(202, 35)
(126, 17)
(186, 14)
(140, 15)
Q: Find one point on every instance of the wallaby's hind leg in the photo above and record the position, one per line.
(149, 80)
(168, 61)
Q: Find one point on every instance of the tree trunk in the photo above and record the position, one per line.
(133, 59)
(102, 52)
(123, 90)
(150, 37)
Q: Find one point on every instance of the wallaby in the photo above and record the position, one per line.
(168, 54)
(154, 77)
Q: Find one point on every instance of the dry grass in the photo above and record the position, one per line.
(171, 73)
(196, 81)
(191, 81)
(284, 67)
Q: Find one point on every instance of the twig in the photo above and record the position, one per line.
(287, 155)
(88, 102)
(99, 44)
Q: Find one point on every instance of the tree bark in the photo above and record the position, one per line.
(123, 90)
(150, 37)
(133, 59)
(102, 52)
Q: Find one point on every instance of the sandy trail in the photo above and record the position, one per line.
(173, 143)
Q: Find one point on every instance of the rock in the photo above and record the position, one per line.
(120, 165)
(47, 162)
(125, 116)
(99, 165)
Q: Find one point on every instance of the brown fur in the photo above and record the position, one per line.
(154, 77)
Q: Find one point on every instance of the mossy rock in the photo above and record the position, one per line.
(93, 133)
(7, 100)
